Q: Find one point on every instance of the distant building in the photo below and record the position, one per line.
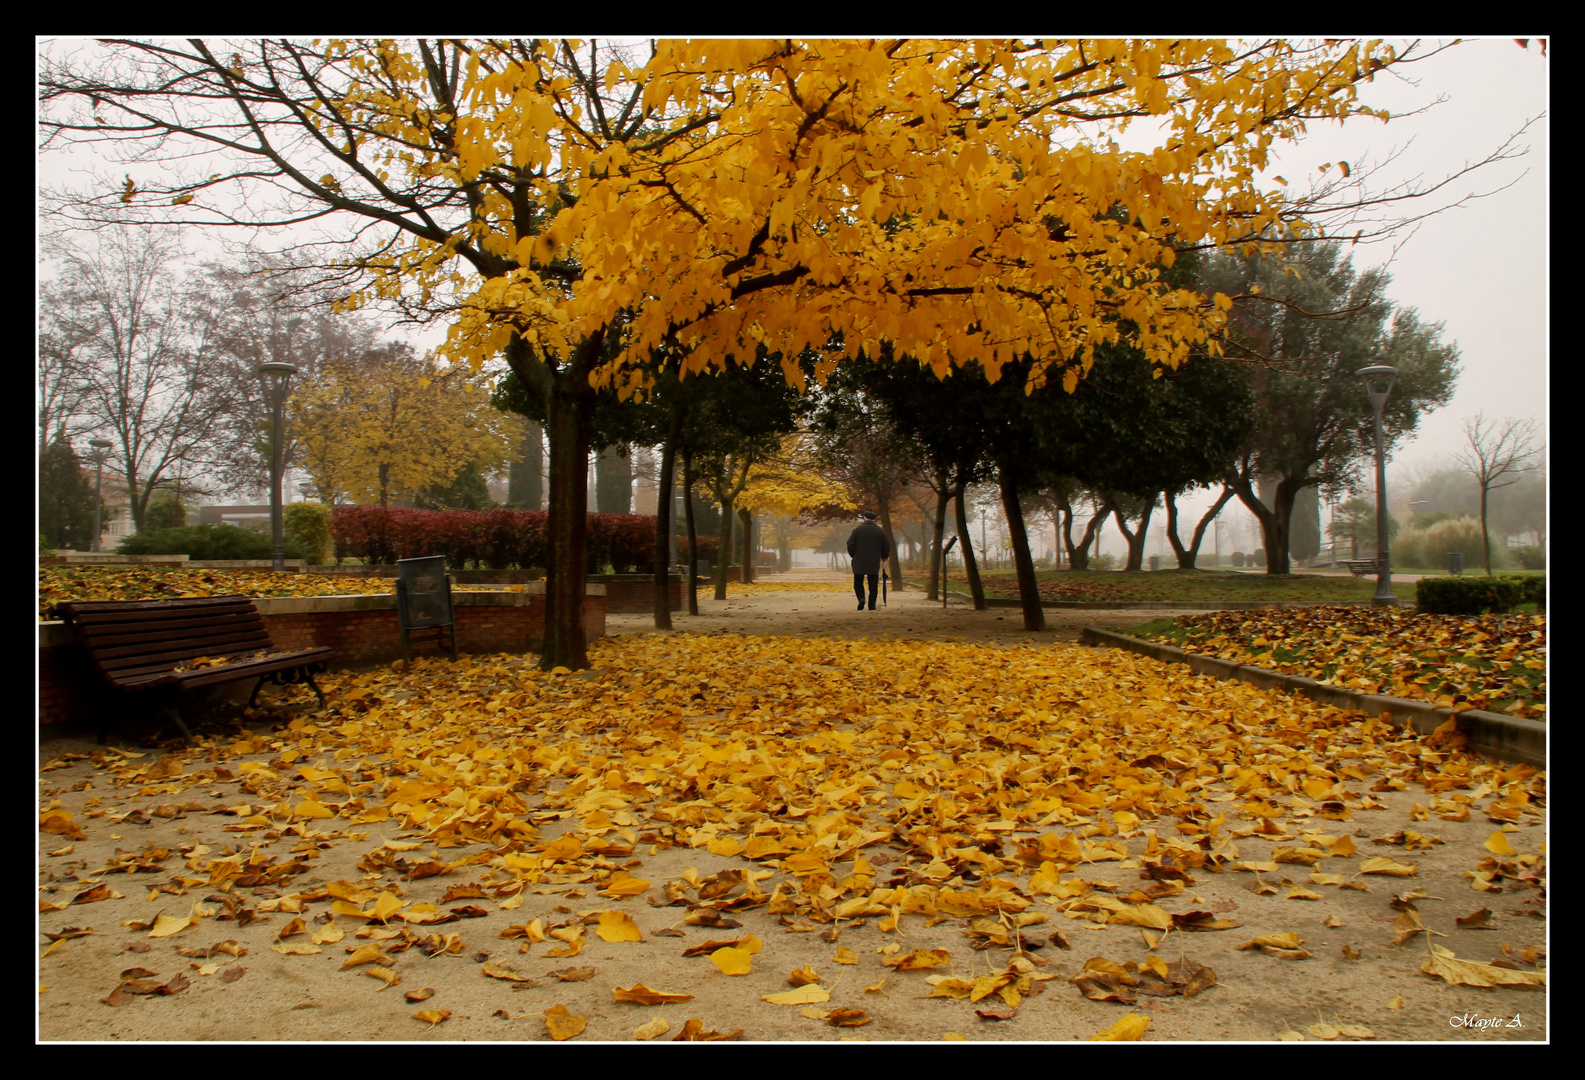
(243, 515)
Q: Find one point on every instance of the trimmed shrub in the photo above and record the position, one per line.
(308, 524)
(1470, 594)
(1103, 562)
(1238, 558)
(632, 549)
(708, 546)
(1258, 558)
(207, 542)
(1532, 588)
(1530, 557)
(495, 539)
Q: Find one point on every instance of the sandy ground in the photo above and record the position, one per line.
(249, 989)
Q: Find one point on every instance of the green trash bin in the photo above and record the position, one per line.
(1455, 562)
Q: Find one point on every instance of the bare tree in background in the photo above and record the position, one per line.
(144, 352)
(260, 317)
(1497, 454)
(61, 376)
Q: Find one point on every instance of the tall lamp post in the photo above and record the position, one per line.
(1373, 377)
(101, 447)
(275, 376)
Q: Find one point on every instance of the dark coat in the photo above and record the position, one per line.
(867, 546)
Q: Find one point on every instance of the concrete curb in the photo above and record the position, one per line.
(1174, 605)
(1507, 738)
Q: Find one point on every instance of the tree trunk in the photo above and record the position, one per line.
(663, 524)
(1079, 554)
(943, 493)
(886, 523)
(1136, 540)
(1028, 586)
(690, 572)
(526, 478)
(1188, 556)
(745, 518)
(970, 567)
(568, 425)
(1273, 520)
(724, 548)
(1484, 534)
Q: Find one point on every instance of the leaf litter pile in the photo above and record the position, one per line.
(1493, 662)
(870, 799)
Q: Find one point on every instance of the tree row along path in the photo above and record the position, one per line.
(790, 820)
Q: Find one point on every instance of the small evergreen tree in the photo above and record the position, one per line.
(66, 499)
(165, 512)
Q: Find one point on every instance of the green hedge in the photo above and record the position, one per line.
(206, 542)
(1479, 595)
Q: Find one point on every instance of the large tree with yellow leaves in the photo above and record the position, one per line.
(573, 208)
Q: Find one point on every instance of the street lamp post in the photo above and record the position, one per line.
(101, 446)
(275, 376)
(1372, 377)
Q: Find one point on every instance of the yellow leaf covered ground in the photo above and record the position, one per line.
(58, 584)
(988, 765)
(1467, 661)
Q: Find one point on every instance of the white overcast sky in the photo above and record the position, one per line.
(1481, 269)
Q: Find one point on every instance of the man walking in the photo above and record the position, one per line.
(868, 545)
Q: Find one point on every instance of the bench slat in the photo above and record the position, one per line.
(172, 648)
(232, 672)
(135, 666)
(113, 633)
(85, 612)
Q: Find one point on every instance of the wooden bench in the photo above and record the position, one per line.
(147, 646)
(1360, 567)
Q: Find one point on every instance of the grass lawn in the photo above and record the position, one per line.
(1186, 585)
(1495, 662)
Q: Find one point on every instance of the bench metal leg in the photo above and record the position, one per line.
(175, 714)
(308, 677)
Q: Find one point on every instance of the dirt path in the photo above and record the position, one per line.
(270, 980)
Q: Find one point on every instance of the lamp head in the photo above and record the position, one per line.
(275, 375)
(1378, 380)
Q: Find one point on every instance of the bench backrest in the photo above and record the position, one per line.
(135, 641)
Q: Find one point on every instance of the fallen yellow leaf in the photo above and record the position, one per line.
(562, 1024)
(731, 961)
(812, 994)
(1128, 1029)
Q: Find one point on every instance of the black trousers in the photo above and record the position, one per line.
(858, 587)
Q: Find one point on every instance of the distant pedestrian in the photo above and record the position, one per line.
(868, 546)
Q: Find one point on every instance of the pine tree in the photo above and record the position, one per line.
(66, 499)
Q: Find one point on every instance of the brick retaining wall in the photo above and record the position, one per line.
(623, 592)
(362, 630)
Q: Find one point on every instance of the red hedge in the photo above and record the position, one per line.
(492, 539)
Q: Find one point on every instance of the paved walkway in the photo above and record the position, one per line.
(906, 614)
